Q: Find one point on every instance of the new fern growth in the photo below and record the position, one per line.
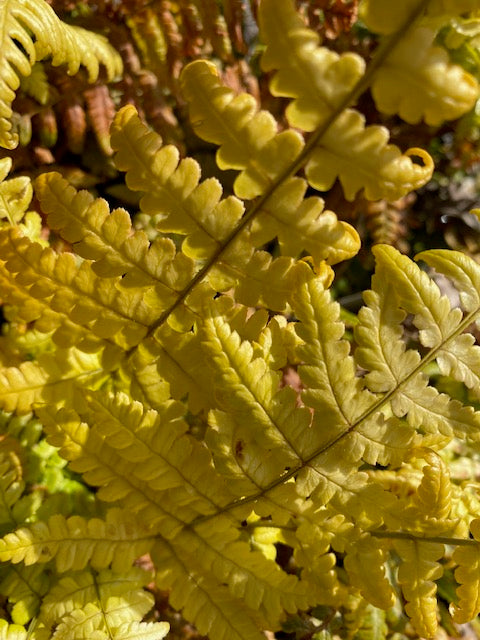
(155, 364)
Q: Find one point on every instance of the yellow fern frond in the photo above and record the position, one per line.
(74, 542)
(257, 588)
(213, 228)
(461, 360)
(328, 367)
(210, 606)
(36, 84)
(383, 172)
(172, 188)
(315, 76)
(418, 81)
(365, 565)
(383, 353)
(38, 31)
(416, 576)
(467, 574)
(433, 498)
(171, 365)
(48, 379)
(72, 291)
(312, 549)
(249, 142)
(11, 488)
(120, 598)
(107, 238)
(248, 139)
(138, 455)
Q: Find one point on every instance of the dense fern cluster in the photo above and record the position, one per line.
(153, 355)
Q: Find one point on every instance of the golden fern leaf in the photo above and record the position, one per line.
(419, 82)
(11, 488)
(416, 577)
(74, 542)
(40, 34)
(249, 142)
(48, 379)
(365, 565)
(120, 598)
(74, 292)
(382, 349)
(312, 75)
(317, 78)
(467, 574)
(462, 360)
(433, 498)
(213, 228)
(36, 84)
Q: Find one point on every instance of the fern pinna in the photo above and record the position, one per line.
(155, 364)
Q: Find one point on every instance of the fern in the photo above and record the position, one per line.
(146, 338)
(40, 34)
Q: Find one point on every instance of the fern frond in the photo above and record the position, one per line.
(384, 172)
(24, 587)
(212, 226)
(365, 565)
(314, 76)
(202, 599)
(153, 446)
(333, 388)
(120, 597)
(416, 576)
(250, 577)
(172, 188)
(171, 365)
(467, 574)
(372, 623)
(317, 78)
(40, 34)
(248, 140)
(419, 82)
(387, 360)
(86, 623)
(462, 360)
(74, 542)
(433, 498)
(49, 379)
(105, 237)
(72, 291)
(102, 466)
